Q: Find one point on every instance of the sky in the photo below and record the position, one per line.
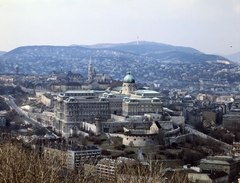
(210, 26)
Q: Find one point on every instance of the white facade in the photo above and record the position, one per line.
(78, 155)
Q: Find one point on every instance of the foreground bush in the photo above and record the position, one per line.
(21, 164)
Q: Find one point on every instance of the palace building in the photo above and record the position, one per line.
(76, 106)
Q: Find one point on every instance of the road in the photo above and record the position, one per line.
(11, 102)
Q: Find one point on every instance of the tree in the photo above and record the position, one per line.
(3, 105)
(39, 120)
(10, 116)
(160, 137)
(83, 140)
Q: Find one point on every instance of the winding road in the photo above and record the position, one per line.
(10, 101)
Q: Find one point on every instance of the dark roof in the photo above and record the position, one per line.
(75, 147)
(72, 84)
(158, 125)
(114, 84)
(129, 78)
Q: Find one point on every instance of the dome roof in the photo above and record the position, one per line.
(129, 78)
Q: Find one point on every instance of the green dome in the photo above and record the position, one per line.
(129, 78)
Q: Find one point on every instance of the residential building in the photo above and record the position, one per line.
(107, 168)
(231, 120)
(208, 177)
(2, 121)
(79, 155)
(228, 164)
(214, 113)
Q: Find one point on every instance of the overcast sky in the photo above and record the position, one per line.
(211, 26)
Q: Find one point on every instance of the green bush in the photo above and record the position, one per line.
(120, 147)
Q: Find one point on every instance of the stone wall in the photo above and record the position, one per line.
(140, 140)
(204, 136)
(118, 118)
(47, 100)
(116, 135)
(89, 127)
(178, 120)
(173, 132)
(79, 132)
(181, 138)
(113, 127)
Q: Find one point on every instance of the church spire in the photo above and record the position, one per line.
(90, 70)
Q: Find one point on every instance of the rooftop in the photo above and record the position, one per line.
(80, 91)
(140, 92)
(75, 147)
(129, 78)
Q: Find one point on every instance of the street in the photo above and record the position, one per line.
(11, 102)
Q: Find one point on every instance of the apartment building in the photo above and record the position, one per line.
(79, 155)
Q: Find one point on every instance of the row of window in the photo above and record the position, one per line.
(143, 139)
(79, 94)
(87, 113)
(86, 106)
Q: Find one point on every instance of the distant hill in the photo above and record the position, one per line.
(2, 53)
(148, 49)
(160, 51)
(235, 57)
(149, 61)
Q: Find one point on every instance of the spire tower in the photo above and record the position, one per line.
(90, 70)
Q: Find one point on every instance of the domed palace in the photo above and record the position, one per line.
(128, 86)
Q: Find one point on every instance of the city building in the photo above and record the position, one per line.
(128, 86)
(140, 106)
(214, 113)
(73, 107)
(235, 151)
(107, 168)
(208, 177)
(228, 164)
(231, 120)
(2, 121)
(100, 78)
(79, 155)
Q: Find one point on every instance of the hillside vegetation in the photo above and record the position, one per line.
(111, 59)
